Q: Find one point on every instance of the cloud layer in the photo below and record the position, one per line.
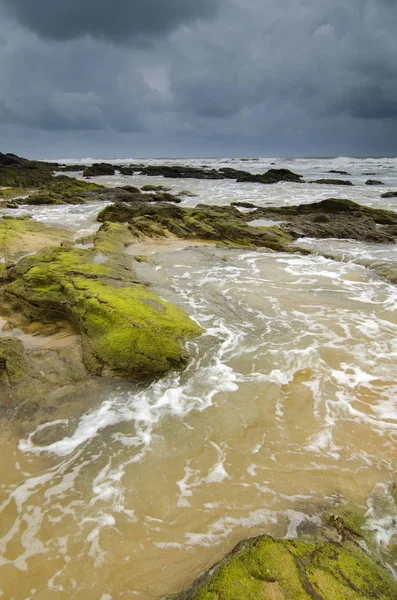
(187, 78)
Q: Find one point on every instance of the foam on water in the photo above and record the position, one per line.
(289, 402)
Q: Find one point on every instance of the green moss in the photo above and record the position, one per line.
(265, 568)
(348, 520)
(22, 236)
(12, 192)
(220, 223)
(113, 237)
(12, 359)
(63, 190)
(126, 329)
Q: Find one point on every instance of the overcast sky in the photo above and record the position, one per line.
(134, 78)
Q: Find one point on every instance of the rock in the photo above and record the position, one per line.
(22, 236)
(186, 172)
(23, 173)
(125, 329)
(271, 176)
(269, 568)
(76, 168)
(187, 193)
(332, 182)
(131, 189)
(389, 195)
(99, 169)
(338, 172)
(334, 217)
(126, 170)
(155, 188)
(63, 190)
(164, 197)
(244, 205)
(37, 385)
(219, 223)
(374, 182)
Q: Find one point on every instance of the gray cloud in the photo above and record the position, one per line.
(253, 76)
(116, 21)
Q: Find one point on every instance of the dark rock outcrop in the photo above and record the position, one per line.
(374, 182)
(186, 172)
(332, 182)
(99, 169)
(219, 223)
(389, 195)
(334, 217)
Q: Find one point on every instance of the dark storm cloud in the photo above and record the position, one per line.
(113, 20)
(255, 76)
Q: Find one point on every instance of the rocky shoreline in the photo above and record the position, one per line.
(123, 330)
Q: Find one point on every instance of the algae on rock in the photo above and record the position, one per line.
(21, 236)
(272, 569)
(125, 328)
(225, 224)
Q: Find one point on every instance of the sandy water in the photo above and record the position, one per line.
(287, 408)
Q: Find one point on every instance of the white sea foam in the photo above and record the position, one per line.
(282, 332)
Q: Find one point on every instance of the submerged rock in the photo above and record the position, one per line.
(274, 569)
(338, 172)
(34, 381)
(373, 182)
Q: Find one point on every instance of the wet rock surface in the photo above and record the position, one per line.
(334, 218)
(186, 172)
(269, 568)
(125, 329)
(219, 223)
(332, 182)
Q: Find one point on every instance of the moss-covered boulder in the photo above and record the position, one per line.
(63, 190)
(22, 236)
(264, 568)
(125, 328)
(223, 224)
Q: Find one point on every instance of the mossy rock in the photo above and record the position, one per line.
(22, 236)
(348, 520)
(114, 237)
(10, 193)
(155, 188)
(63, 190)
(218, 223)
(270, 569)
(125, 328)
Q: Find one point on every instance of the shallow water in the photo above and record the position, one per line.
(287, 408)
